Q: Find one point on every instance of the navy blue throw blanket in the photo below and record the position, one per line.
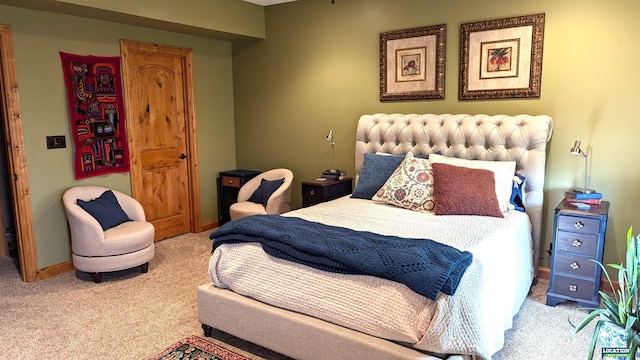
(425, 266)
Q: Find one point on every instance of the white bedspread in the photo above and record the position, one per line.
(472, 321)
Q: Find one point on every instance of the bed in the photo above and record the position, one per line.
(317, 314)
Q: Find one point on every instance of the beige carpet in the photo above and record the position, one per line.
(133, 316)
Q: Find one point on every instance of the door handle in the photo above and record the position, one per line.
(182, 156)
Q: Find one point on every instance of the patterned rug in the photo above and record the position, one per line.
(195, 347)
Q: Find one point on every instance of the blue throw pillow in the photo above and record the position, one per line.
(105, 209)
(264, 191)
(376, 169)
(517, 198)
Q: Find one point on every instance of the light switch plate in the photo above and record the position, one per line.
(56, 142)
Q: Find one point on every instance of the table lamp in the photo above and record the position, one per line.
(575, 150)
(333, 149)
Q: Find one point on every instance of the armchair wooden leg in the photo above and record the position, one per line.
(144, 267)
(97, 277)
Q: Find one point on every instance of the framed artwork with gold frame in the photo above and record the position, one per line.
(501, 59)
(412, 63)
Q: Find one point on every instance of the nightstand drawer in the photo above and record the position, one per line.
(574, 265)
(312, 194)
(230, 181)
(579, 224)
(585, 244)
(578, 288)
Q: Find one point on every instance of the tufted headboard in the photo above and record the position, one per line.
(522, 138)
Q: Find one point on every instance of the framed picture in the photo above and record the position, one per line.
(501, 59)
(412, 63)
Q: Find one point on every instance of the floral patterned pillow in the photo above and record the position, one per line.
(410, 186)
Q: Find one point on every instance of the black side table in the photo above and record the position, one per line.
(229, 184)
(316, 192)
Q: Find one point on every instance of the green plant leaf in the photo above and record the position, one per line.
(606, 273)
(610, 308)
(622, 307)
(594, 338)
(587, 319)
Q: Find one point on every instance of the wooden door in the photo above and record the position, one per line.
(17, 158)
(161, 135)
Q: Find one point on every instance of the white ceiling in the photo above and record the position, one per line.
(268, 2)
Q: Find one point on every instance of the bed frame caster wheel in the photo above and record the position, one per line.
(207, 330)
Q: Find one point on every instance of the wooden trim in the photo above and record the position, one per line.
(544, 273)
(56, 269)
(209, 226)
(4, 247)
(134, 159)
(17, 159)
(192, 135)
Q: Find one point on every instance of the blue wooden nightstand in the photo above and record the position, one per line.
(578, 240)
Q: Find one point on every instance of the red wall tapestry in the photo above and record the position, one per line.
(96, 109)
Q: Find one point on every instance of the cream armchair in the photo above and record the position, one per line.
(123, 246)
(277, 203)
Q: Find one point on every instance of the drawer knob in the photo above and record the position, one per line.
(312, 192)
(230, 181)
(574, 265)
(576, 243)
(578, 225)
(573, 288)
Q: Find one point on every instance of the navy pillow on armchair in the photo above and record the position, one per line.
(264, 191)
(105, 209)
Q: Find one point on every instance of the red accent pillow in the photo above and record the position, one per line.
(464, 191)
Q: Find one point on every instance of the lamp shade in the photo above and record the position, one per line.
(576, 150)
(333, 150)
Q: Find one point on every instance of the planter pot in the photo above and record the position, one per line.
(613, 336)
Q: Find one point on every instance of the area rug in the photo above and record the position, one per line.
(194, 347)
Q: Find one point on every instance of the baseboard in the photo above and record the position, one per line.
(56, 269)
(210, 225)
(544, 273)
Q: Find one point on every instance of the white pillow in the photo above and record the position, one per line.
(502, 170)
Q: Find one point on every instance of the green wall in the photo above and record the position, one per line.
(38, 37)
(318, 69)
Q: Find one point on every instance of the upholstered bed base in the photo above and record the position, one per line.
(293, 334)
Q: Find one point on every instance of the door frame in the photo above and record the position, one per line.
(17, 159)
(186, 56)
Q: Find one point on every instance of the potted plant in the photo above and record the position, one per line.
(620, 312)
